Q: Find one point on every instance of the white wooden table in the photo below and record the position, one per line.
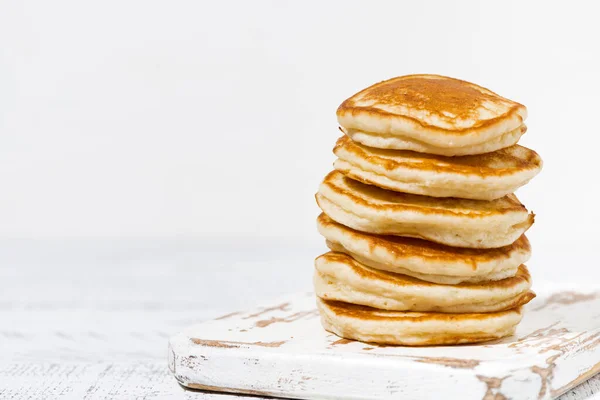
(87, 319)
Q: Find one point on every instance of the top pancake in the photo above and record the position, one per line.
(432, 113)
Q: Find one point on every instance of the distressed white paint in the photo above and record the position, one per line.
(282, 350)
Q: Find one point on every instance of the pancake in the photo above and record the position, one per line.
(433, 114)
(396, 143)
(371, 325)
(422, 259)
(339, 277)
(449, 221)
(482, 177)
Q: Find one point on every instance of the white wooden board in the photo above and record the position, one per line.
(281, 350)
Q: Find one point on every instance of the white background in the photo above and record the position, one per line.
(158, 160)
(215, 119)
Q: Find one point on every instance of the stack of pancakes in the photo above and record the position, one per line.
(427, 240)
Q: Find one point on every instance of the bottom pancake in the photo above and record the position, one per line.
(414, 328)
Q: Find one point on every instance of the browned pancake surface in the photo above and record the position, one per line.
(377, 198)
(404, 280)
(446, 99)
(498, 163)
(407, 247)
(367, 313)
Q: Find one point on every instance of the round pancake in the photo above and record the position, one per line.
(482, 177)
(433, 111)
(449, 221)
(422, 259)
(339, 277)
(401, 143)
(371, 325)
